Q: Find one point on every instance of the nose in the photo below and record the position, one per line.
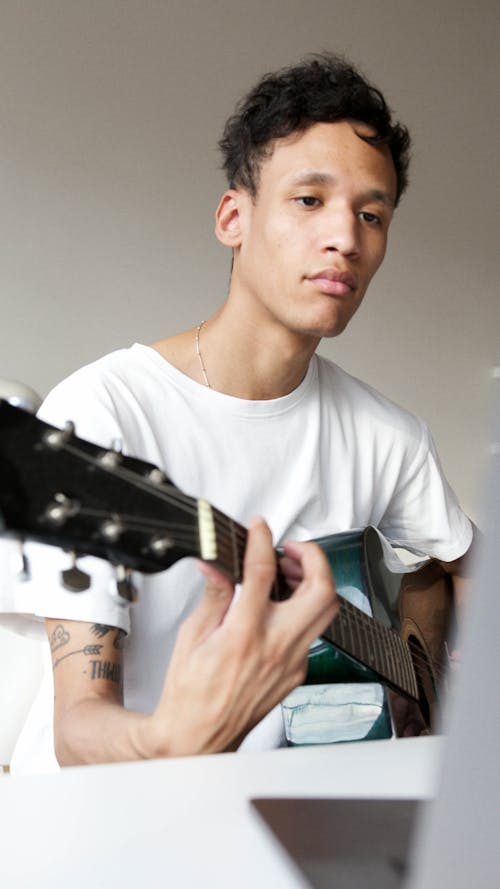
(341, 232)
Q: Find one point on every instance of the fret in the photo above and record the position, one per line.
(238, 549)
(391, 655)
(395, 656)
(363, 631)
(408, 662)
(342, 629)
(375, 651)
(231, 541)
(404, 669)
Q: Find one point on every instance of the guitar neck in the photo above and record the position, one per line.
(355, 633)
(374, 646)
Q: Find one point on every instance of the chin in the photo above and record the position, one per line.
(327, 329)
(335, 330)
(331, 320)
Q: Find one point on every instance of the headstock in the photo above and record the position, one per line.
(62, 490)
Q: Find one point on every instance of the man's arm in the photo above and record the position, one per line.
(233, 661)
(90, 723)
(460, 571)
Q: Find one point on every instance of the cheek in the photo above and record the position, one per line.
(376, 255)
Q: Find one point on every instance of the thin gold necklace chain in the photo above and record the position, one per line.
(200, 359)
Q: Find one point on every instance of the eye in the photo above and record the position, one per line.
(308, 201)
(370, 218)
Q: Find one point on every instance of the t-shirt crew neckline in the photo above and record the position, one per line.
(236, 406)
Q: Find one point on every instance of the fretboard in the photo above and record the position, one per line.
(375, 646)
(352, 631)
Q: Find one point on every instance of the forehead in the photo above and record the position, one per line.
(334, 152)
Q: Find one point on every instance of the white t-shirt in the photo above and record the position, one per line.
(332, 455)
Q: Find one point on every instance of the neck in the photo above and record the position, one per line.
(242, 355)
(249, 359)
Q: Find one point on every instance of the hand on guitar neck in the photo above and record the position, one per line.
(234, 660)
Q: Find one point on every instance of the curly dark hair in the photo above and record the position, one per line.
(323, 88)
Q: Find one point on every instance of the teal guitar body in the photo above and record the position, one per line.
(326, 663)
(397, 638)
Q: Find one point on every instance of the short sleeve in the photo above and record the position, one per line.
(424, 515)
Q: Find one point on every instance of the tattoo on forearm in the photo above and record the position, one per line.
(118, 640)
(88, 650)
(98, 669)
(101, 630)
(106, 670)
(59, 637)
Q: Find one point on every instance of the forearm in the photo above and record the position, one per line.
(461, 573)
(96, 730)
(462, 588)
(91, 724)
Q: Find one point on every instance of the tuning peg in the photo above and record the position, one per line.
(157, 476)
(20, 395)
(57, 438)
(160, 545)
(61, 509)
(112, 529)
(24, 572)
(111, 458)
(74, 579)
(125, 587)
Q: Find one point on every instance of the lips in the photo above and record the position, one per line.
(334, 282)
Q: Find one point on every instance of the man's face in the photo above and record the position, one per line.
(316, 233)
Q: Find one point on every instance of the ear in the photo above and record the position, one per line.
(228, 220)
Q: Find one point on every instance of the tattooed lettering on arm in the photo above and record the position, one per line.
(106, 670)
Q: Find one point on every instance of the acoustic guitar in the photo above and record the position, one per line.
(61, 490)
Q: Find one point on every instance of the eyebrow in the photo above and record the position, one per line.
(316, 177)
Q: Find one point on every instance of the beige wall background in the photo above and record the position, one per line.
(109, 117)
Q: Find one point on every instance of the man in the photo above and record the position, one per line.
(241, 411)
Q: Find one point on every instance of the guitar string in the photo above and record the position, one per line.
(121, 472)
(439, 665)
(381, 638)
(418, 656)
(177, 498)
